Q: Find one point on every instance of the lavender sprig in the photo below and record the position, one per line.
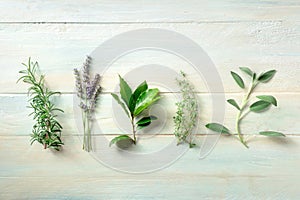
(88, 91)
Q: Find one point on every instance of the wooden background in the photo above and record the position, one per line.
(260, 34)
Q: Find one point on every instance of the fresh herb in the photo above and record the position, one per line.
(263, 103)
(46, 130)
(187, 112)
(87, 91)
(134, 103)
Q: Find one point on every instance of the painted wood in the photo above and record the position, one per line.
(106, 11)
(269, 170)
(14, 119)
(60, 48)
(259, 34)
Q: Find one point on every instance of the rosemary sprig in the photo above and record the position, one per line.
(264, 102)
(187, 112)
(88, 91)
(47, 130)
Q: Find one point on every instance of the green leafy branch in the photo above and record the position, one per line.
(46, 130)
(133, 104)
(263, 103)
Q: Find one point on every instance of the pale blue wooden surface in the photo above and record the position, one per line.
(259, 34)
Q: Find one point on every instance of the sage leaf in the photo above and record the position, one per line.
(234, 103)
(116, 97)
(238, 79)
(125, 91)
(217, 128)
(259, 106)
(147, 98)
(268, 98)
(119, 138)
(138, 91)
(272, 133)
(265, 77)
(247, 71)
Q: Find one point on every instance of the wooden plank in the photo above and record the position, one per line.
(269, 169)
(60, 48)
(147, 11)
(14, 119)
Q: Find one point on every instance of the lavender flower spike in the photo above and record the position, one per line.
(91, 88)
(78, 83)
(87, 91)
(86, 66)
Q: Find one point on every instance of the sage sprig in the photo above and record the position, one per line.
(47, 130)
(262, 104)
(187, 112)
(88, 90)
(134, 104)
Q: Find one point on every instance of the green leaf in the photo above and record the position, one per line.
(192, 145)
(147, 98)
(116, 97)
(138, 91)
(238, 79)
(23, 72)
(57, 109)
(268, 98)
(234, 103)
(145, 121)
(271, 133)
(125, 91)
(247, 71)
(265, 77)
(217, 128)
(254, 77)
(119, 138)
(259, 106)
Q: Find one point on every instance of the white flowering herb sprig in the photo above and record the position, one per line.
(47, 130)
(88, 91)
(134, 104)
(262, 104)
(187, 112)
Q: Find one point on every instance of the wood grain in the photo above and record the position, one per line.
(258, 34)
(14, 119)
(106, 11)
(229, 172)
(60, 48)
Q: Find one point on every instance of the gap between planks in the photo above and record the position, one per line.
(150, 22)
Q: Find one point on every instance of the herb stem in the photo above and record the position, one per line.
(133, 129)
(89, 134)
(240, 116)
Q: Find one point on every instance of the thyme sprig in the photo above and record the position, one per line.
(187, 112)
(263, 103)
(47, 130)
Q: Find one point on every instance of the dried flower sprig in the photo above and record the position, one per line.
(264, 102)
(46, 130)
(87, 91)
(187, 112)
(134, 103)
